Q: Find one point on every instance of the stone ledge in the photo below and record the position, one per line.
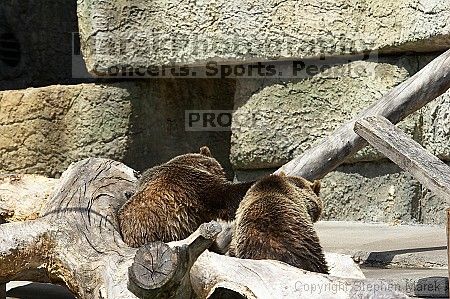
(141, 33)
(43, 130)
(276, 120)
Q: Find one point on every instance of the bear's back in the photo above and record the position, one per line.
(273, 222)
(172, 200)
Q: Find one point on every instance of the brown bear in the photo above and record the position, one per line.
(275, 221)
(174, 198)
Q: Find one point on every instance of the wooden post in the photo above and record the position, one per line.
(406, 153)
(410, 156)
(448, 240)
(161, 271)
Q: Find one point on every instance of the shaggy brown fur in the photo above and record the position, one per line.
(174, 198)
(275, 221)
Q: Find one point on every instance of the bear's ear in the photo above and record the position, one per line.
(204, 150)
(282, 174)
(315, 186)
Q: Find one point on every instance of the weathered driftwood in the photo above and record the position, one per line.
(76, 243)
(23, 196)
(162, 271)
(406, 153)
(410, 156)
(448, 238)
(429, 83)
(267, 279)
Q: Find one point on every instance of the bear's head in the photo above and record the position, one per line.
(311, 191)
(202, 161)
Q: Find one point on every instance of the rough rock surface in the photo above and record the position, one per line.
(372, 192)
(43, 130)
(432, 208)
(168, 32)
(436, 127)
(369, 192)
(142, 123)
(276, 120)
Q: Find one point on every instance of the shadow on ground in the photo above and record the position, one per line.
(39, 291)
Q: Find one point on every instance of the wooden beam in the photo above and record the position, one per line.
(406, 153)
(427, 84)
(448, 240)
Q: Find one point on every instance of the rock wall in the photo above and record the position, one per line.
(372, 192)
(351, 52)
(173, 32)
(43, 130)
(276, 120)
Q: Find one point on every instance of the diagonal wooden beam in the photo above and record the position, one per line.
(448, 239)
(406, 153)
(323, 157)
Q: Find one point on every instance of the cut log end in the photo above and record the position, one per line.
(154, 265)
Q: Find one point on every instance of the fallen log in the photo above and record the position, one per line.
(409, 96)
(76, 243)
(267, 279)
(162, 271)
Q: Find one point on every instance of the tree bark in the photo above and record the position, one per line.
(241, 278)
(323, 157)
(76, 241)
